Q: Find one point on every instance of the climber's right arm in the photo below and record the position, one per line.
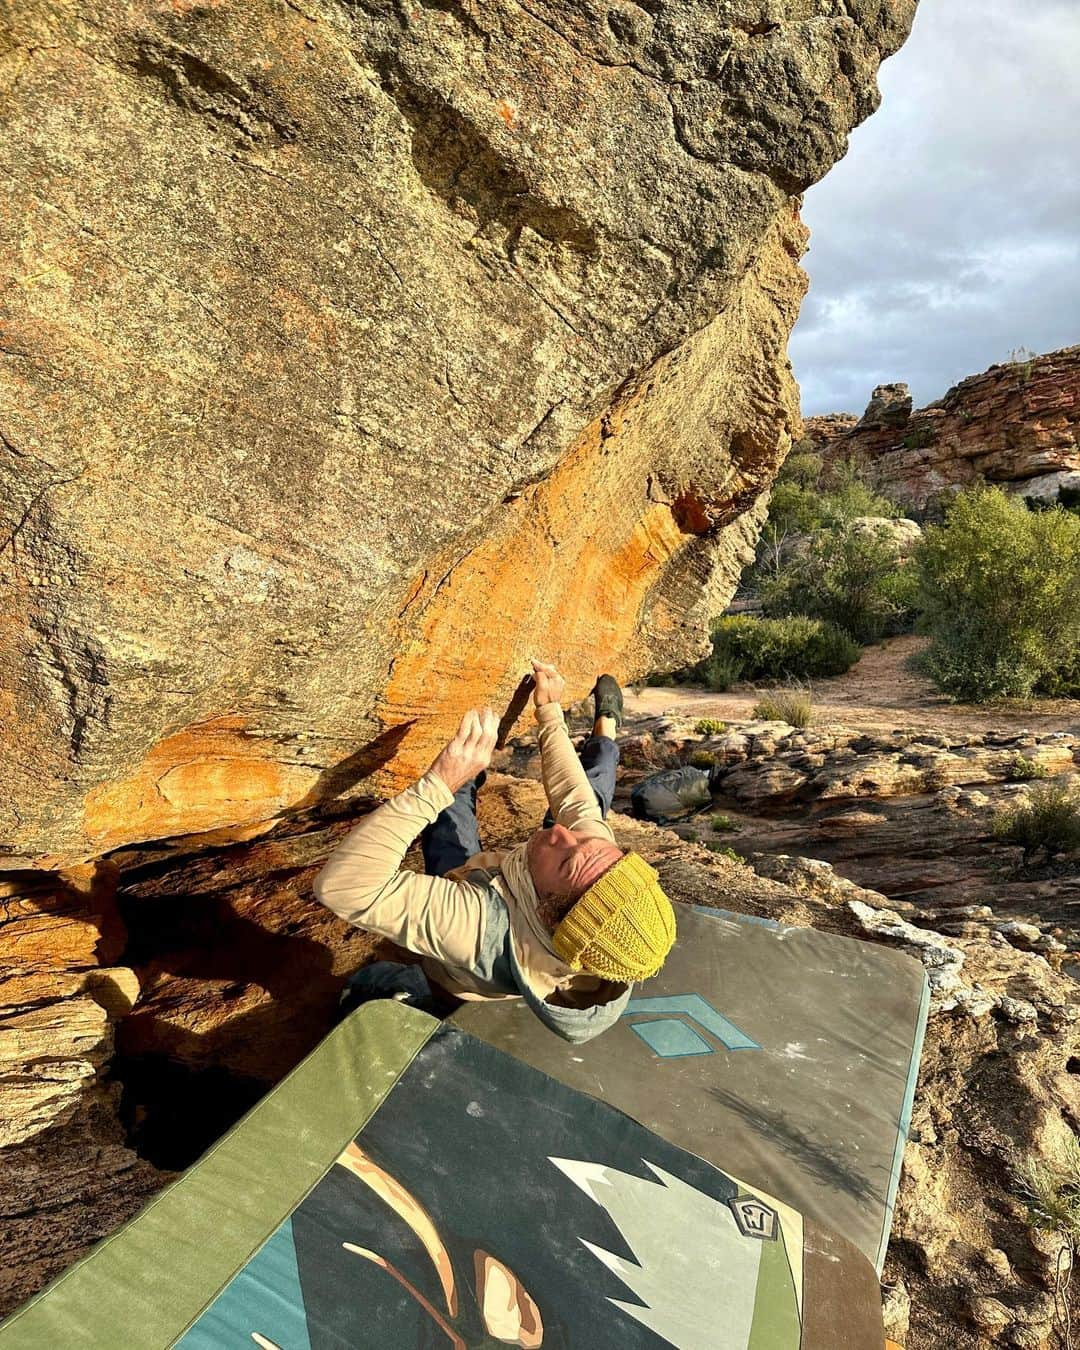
(570, 794)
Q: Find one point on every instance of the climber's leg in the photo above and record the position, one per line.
(600, 759)
(391, 979)
(454, 835)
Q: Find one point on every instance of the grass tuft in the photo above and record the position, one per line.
(793, 705)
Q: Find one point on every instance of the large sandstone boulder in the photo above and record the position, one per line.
(352, 354)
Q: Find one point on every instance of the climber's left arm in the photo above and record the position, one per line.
(362, 881)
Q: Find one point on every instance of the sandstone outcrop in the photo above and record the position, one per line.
(1017, 424)
(67, 1176)
(359, 352)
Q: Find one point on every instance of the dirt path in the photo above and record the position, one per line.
(879, 693)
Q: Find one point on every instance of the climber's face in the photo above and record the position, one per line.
(561, 863)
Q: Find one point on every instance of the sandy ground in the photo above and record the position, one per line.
(880, 692)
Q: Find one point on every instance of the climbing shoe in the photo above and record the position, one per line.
(607, 697)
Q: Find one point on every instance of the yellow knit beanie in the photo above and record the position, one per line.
(622, 928)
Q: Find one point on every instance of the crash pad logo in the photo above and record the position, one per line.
(671, 1034)
(754, 1217)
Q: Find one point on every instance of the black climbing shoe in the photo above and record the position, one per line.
(608, 698)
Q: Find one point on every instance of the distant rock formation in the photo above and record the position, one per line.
(889, 406)
(1017, 424)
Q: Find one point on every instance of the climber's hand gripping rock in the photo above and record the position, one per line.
(470, 751)
(549, 684)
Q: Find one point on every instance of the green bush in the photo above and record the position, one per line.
(749, 648)
(701, 759)
(920, 438)
(849, 578)
(999, 587)
(723, 824)
(793, 706)
(714, 846)
(807, 497)
(1049, 820)
(719, 671)
(1023, 770)
(709, 726)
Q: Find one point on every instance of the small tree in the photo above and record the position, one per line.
(849, 578)
(999, 587)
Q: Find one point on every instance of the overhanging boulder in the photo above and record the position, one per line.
(354, 354)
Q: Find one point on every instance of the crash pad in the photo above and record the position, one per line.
(409, 1185)
(785, 1054)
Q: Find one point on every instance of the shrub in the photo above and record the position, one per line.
(794, 647)
(1049, 820)
(720, 670)
(1023, 770)
(850, 579)
(701, 759)
(793, 706)
(723, 824)
(709, 726)
(1051, 1190)
(807, 497)
(920, 438)
(1023, 358)
(714, 846)
(999, 586)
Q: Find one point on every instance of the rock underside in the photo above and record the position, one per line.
(1017, 424)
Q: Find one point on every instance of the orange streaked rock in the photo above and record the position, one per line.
(203, 778)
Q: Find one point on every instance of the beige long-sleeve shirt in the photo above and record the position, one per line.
(443, 918)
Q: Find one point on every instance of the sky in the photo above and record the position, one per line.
(949, 236)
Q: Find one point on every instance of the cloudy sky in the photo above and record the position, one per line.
(950, 234)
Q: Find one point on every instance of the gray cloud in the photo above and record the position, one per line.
(950, 234)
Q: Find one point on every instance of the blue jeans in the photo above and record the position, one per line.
(454, 836)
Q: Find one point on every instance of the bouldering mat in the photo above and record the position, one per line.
(410, 1187)
(786, 1055)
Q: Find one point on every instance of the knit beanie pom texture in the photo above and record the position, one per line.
(622, 928)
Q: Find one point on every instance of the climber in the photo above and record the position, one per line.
(567, 920)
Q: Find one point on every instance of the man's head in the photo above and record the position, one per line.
(604, 907)
(563, 867)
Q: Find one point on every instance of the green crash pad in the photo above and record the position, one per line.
(785, 1055)
(409, 1187)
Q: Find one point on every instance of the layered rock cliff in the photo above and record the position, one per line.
(351, 354)
(1017, 424)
